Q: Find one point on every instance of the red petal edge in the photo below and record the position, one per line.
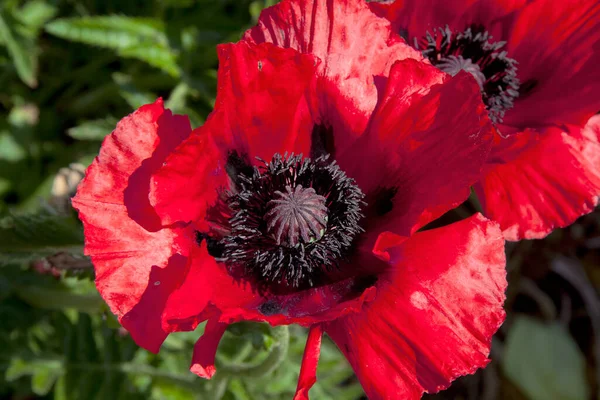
(310, 359)
(434, 314)
(428, 138)
(265, 94)
(566, 35)
(548, 179)
(209, 291)
(137, 263)
(205, 349)
(262, 108)
(187, 182)
(357, 49)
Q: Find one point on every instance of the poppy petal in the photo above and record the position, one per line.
(205, 349)
(265, 93)
(357, 50)
(137, 263)
(187, 182)
(434, 314)
(208, 290)
(550, 182)
(424, 112)
(310, 359)
(565, 35)
(413, 19)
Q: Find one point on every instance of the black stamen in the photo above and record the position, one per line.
(289, 221)
(474, 51)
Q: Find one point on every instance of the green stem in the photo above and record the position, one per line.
(278, 353)
(243, 353)
(220, 387)
(59, 299)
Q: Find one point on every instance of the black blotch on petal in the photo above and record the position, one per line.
(363, 283)
(527, 87)
(383, 202)
(237, 165)
(322, 142)
(215, 248)
(269, 307)
(403, 32)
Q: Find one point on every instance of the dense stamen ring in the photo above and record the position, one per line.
(286, 222)
(474, 51)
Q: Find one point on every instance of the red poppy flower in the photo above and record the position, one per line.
(537, 65)
(186, 226)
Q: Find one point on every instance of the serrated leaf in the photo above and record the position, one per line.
(156, 56)
(544, 361)
(24, 237)
(113, 32)
(22, 51)
(140, 38)
(93, 130)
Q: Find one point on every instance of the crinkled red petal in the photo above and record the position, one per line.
(357, 50)
(310, 359)
(205, 349)
(557, 46)
(186, 184)
(265, 94)
(208, 290)
(434, 314)
(414, 18)
(428, 139)
(137, 263)
(554, 179)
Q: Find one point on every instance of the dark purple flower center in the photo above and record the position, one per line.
(286, 222)
(474, 51)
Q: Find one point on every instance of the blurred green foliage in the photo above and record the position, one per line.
(70, 69)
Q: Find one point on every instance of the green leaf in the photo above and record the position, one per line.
(132, 95)
(48, 298)
(34, 14)
(157, 56)
(178, 3)
(25, 237)
(544, 361)
(178, 97)
(93, 130)
(44, 373)
(10, 149)
(22, 51)
(113, 32)
(140, 38)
